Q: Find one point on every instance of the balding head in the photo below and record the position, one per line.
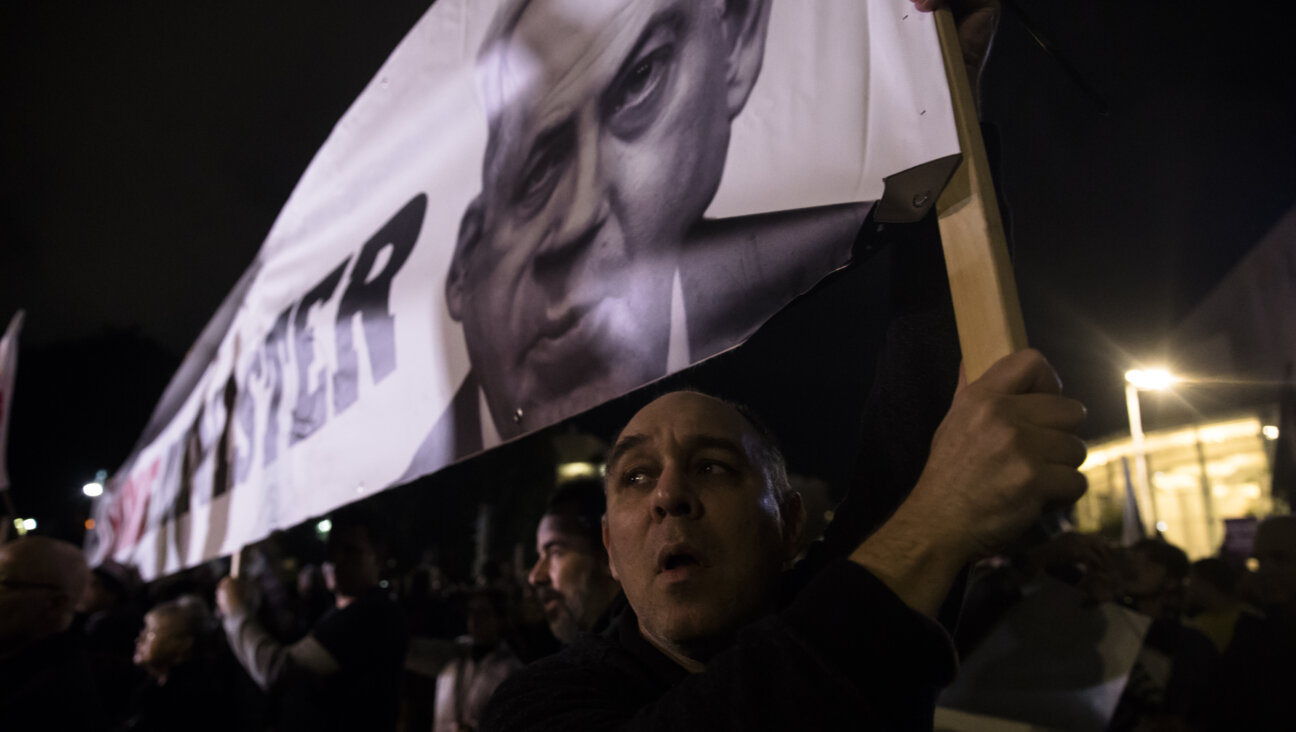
(41, 582)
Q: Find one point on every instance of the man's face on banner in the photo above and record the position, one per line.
(609, 125)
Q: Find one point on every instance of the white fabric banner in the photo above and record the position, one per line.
(534, 207)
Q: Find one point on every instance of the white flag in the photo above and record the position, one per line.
(1131, 519)
(8, 368)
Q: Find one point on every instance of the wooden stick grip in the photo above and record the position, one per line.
(986, 307)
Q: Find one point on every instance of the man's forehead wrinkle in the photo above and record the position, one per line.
(709, 423)
(625, 444)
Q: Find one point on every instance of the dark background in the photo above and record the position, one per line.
(146, 148)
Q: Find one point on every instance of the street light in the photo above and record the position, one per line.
(1137, 380)
(93, 490)
(1151, 379)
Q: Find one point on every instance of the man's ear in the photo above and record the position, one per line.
(792, 511)
(470, 233)
(607, 547)
(745, 25)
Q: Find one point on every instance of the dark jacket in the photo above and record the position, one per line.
(846, 653)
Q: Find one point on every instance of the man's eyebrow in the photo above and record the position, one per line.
(624, 445)
(553, 543)
(672, 18)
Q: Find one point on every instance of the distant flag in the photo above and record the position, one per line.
(8, 369)
(1131, 521)
(1284, 461)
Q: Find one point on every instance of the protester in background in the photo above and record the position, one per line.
(1252, 686)
(1155, 579)
(1174, 665)
(1275, 574)
(345, 674)
(1083, 561)
(313, 599)
(427, 606)
(573, 580)
(182, 690)
(1211, 605)
(482, 660)
(46, 681)
(112, 616)
(111, 620)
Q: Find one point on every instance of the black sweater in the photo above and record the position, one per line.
(846, 653)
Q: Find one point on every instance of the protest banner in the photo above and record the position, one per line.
(526, 213)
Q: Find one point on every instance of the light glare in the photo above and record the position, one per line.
(324, 526)
(1270, 431)
(1151, 379)
(29, 524)
(93, 490)
(572, 471)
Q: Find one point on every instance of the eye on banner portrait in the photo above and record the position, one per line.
(533, 208)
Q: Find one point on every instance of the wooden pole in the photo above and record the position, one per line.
(976, 251)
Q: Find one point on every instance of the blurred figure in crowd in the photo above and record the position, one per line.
(1084, 561)
(1175, 662)
(572, 578)
(482, 661)
(172, 637)
(1154, 584)
(313, 598)
(1252, 686)
(1275, 574)
(110, 621)
(345, 674)
(182, 690)
(1211, 605)
(43, 665)
(112, 616)
(427, 607)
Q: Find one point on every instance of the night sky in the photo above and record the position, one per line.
(146, 148)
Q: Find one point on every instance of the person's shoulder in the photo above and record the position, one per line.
(584, 683)
(590, 653)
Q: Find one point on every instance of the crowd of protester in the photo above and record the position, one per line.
(118, 654)
(1219, 653)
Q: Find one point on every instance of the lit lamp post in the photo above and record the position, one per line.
(1137, 380)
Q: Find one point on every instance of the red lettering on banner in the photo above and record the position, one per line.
(130, 510)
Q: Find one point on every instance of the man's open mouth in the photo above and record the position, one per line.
(679, 556)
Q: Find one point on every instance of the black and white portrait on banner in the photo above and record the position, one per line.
(585, 266)
(534, 207)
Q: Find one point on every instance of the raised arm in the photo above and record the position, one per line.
(1005, 450)
(269, 662)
